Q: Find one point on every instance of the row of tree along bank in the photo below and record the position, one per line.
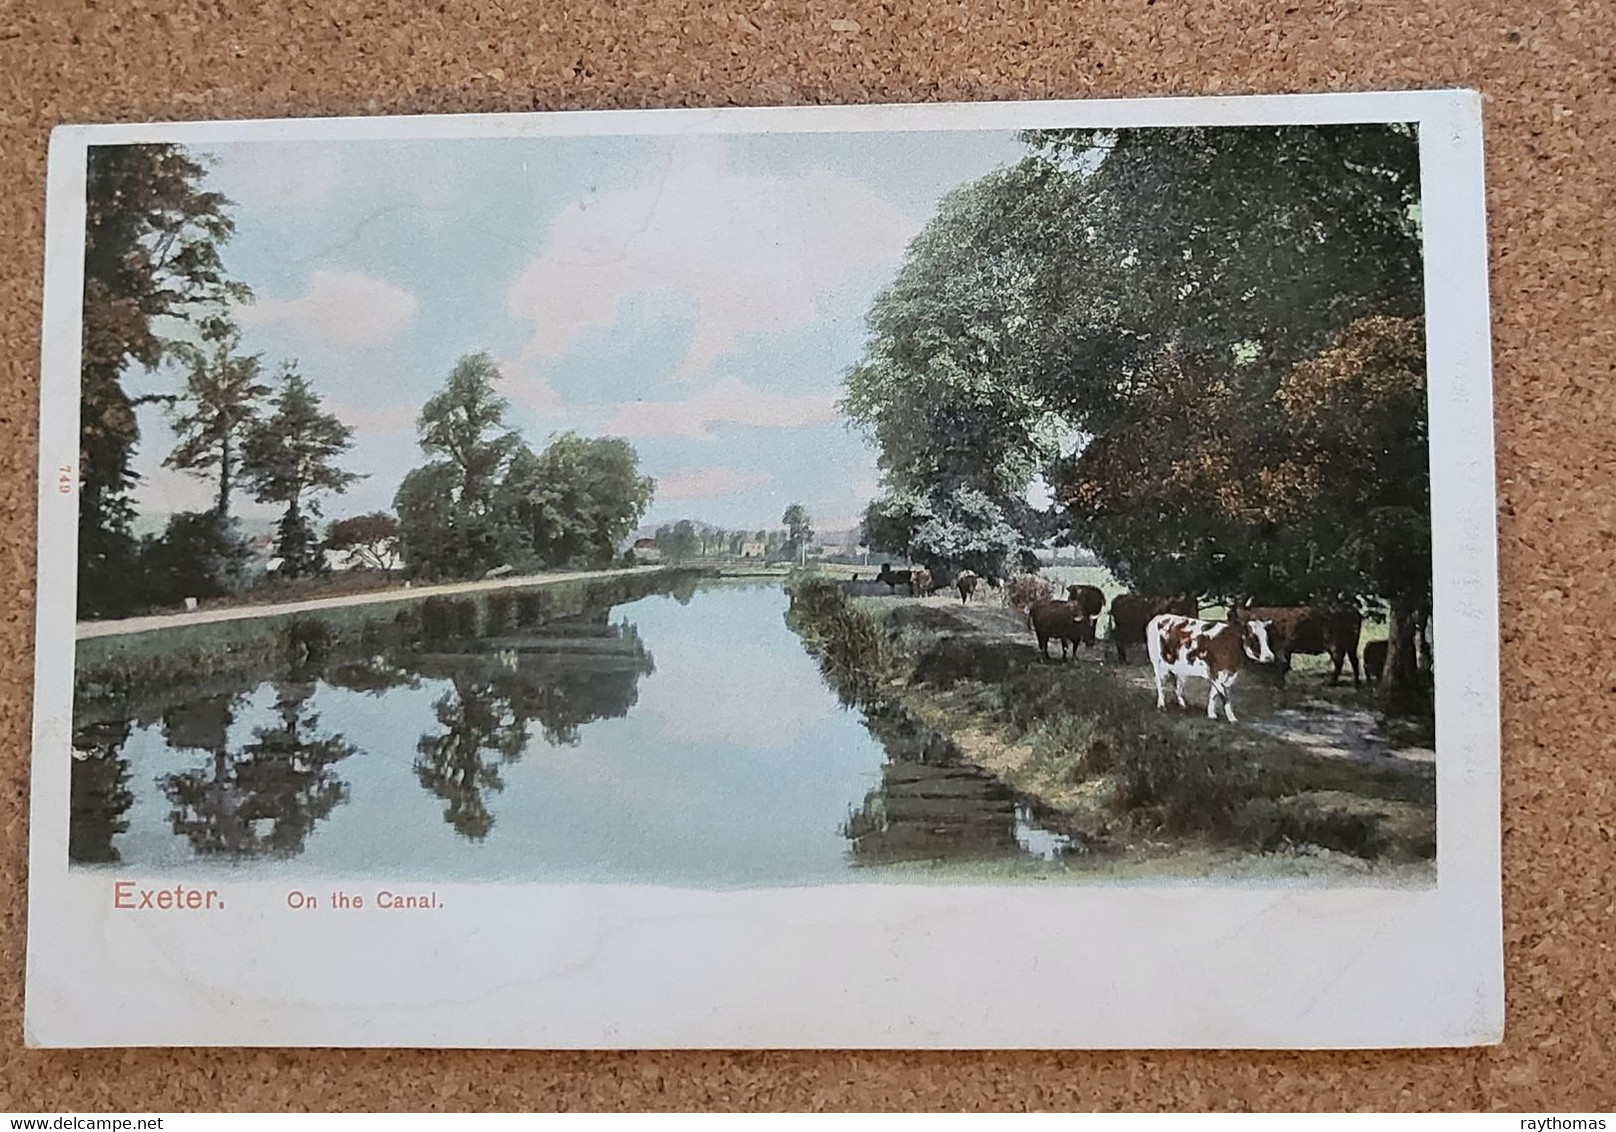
(1104, 768)
(157, 297)
(1207, 344)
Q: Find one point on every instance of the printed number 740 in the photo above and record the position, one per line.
(64, 479)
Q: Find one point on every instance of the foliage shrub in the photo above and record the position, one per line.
(1024, 589)
(856, 652)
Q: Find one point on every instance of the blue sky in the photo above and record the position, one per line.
(702, 295)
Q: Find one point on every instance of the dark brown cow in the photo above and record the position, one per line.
(921, 583)
(967, 584)
(1130, 613)
(1374, 660)
(895, 578)
(1063, 621)
(1091, 598)
(1313, 629)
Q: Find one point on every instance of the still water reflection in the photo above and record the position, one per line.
(494, 748)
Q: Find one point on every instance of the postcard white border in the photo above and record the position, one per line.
(860, 966)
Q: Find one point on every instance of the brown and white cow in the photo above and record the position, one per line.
(1213, 650)
(1130, 613)
(1063, 621)
(1311, 629)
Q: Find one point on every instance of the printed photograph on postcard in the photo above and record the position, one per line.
(1003, 575)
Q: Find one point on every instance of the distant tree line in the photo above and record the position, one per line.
(684, 540)
(1208, 342)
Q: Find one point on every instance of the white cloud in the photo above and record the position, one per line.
(706, 483)
(755, 252)
(284, 174)
(529, 390)
(727, 401)
(346, 310)
(375, 419)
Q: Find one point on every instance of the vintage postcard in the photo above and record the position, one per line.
(1006, 575)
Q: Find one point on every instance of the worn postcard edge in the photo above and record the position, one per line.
(1464, 907)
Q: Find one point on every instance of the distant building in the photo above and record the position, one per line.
(646, 550)
(754, 549)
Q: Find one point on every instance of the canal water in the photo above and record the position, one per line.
(680, 740)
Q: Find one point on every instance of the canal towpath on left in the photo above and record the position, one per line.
(87, 630)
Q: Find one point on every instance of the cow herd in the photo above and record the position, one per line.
(1179, 644)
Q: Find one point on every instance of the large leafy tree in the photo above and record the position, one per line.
(1134, 316)
(464, 425)
(446, 508)
(151, 262)
(217, 413)
(576, 500)
(943, 387)
(290, 458)
(946, 531)
(436, 539)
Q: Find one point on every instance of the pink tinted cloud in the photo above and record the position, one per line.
(346, 310)
(529, 390)
(706, 483)
(726, 402)
(755, 252)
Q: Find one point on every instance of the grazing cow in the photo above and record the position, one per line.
(1064, 621)
(967, 584)
(895, 578)
(1314, 629)
(1374, 661)
(1212, 650)
(1130, 613)
(1091, 598)
(921, 583)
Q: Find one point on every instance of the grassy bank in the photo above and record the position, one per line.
(1086, 741)
(113, 673)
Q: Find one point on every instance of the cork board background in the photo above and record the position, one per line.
(1548, 73)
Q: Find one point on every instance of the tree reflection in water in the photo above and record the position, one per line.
(99, 793)
(931, 805)
(560, 676)
(266, 798)
(451, 765)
